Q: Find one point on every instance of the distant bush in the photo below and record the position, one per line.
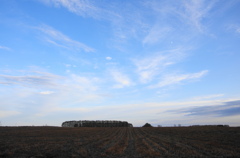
(209, 126)
(222, 125)
(147, 125)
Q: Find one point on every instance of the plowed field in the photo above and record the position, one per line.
(119, 142)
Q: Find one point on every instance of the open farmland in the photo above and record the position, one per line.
(119, 142)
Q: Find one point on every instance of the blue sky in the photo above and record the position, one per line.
(162, 62)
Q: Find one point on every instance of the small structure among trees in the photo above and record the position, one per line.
(97, 123)
(147, 125)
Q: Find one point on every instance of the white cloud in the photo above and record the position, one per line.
(79, 7)
(122, 79)
(43, 80)
(78, 96)
(151, 66)
(234, 28)
(82, 82)
(126, 21)
(35, 79)
(238, 30)
(59, 39)
(208, 97)
(46, 92)
(5, 48)
(139, 113)
(182, 13)
(68, 65)
(156, 33)
(196, 11)
(108, 58)
(43, 93)
(176, 79)
(84, 8)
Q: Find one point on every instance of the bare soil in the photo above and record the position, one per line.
(122, 142)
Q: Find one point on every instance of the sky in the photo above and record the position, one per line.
(156, 61)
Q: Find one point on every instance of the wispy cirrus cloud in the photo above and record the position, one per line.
(234, 28)
(186, 12)
(151, 66)
(126, 20)
(80, 7)
(208, 97)
(108, 58)
(120, 78)
(156, 33)
(44, 93)
(58, 39)
(36, 79)
(48, 83)
(177, 79)
(5, 48)
(84, 8)
(195, 11)
(238, 30)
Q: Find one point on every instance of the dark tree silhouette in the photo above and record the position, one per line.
(147, 125)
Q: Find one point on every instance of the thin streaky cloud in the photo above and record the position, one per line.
(238, 29)
(149, 67)
(208, 97)
(108, 58)
(188, 12)
(84, 8)
(46, 92)
(177, 79)
(5, 48)
(124, 25)
(50, 89)
(120, 78)
(56, 44)
(59, 39)
(28, 80)
(196, 11)
(156, 33)
(79, 7)
(233, 28)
